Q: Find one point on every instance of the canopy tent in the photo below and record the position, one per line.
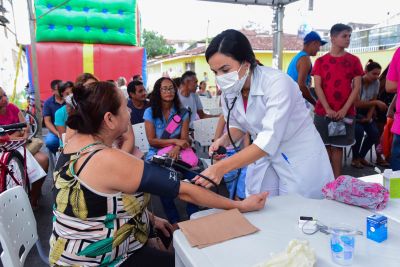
(279, 8)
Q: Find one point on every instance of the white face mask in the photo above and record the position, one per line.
(230, 83)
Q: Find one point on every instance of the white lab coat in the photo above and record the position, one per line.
(279, 123)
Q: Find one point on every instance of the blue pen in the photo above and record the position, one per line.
(285, 157)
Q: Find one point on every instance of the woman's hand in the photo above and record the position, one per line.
(211, 172)
(253, 202)
(174, 153)
(163, 225)
(381, 105)
(215, 145)
(182, 143)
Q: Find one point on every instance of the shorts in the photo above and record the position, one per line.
(321, 123)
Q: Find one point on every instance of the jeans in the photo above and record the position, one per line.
(359, 151)
(52, 142)
(237, 186)
(395, 158)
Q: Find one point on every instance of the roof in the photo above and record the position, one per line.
(263, 42)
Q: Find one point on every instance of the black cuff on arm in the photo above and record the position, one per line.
(159, 181)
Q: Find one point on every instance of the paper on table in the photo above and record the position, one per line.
(215, 228)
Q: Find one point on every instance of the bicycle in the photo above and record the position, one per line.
(30, 117)
(13, 169)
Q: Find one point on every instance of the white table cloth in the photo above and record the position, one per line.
(278, 225)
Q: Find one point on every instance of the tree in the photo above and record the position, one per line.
(155, 44)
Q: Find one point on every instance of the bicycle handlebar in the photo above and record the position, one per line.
(12, 127)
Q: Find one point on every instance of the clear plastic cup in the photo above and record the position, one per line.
(342, 244)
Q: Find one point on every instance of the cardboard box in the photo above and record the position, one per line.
(377, 228)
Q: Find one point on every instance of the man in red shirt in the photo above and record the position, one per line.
(337, 77)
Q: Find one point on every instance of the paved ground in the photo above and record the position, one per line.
(44, 223)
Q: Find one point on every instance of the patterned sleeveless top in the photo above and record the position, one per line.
(91, 228)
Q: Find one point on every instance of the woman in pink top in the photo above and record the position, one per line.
(36, 165)
(393, 86)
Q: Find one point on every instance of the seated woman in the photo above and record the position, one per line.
(366, 107)
(165, 105)
(37, 164)
(100, 215)
(126, 142)
(61, 115)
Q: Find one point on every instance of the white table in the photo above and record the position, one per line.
(278, 225)
(392, 210)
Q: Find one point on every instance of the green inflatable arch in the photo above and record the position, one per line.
(88, 21)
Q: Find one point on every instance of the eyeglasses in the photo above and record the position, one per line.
(167, 90)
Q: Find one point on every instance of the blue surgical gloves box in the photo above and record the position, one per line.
(377, 228)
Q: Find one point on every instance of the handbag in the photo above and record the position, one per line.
(187, 155)
(387, 138)
(336, 128)
(154, 241)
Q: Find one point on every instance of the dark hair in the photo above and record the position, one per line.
(371, 65)
(202, 82)
(155, 99)
(64, 86)
(234, 44)
(177, 81)
(338, 28)
(90, 103)
(132, 86)
(83, 78)
(55, 84)
(136, 77)
(186, 75)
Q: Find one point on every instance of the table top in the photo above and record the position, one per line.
(278, 225)
(392, 210)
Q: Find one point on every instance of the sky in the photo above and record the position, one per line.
(188, 19)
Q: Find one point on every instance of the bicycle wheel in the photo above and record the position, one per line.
(32, 121)
(16, 173)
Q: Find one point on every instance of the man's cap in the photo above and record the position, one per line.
(313, 36)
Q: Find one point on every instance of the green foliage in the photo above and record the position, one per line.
(155, 44)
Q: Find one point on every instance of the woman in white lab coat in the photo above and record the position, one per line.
(287, 154)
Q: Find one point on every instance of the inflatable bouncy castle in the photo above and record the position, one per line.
(101, 37)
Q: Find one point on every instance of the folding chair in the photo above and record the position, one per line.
(18, 232)
(140, 137)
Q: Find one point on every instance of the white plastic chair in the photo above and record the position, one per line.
(18, 232)
(204, 131)
(140, 137)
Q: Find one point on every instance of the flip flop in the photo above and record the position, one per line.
(366, 163)
(357, 165)
(383, 163)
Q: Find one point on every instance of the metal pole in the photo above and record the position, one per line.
(38, 106)
(278, 36)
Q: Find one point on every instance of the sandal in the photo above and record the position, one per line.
(366, 163)
(357, 164)
(383, 163)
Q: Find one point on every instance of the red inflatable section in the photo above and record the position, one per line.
(64, 61)
(57, 61)
(113, 61)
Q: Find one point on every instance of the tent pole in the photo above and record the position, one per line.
(38, 106)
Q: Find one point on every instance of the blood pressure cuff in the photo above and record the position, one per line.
(159, 181)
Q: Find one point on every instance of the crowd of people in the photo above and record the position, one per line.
(275, 127)
(350, 104)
